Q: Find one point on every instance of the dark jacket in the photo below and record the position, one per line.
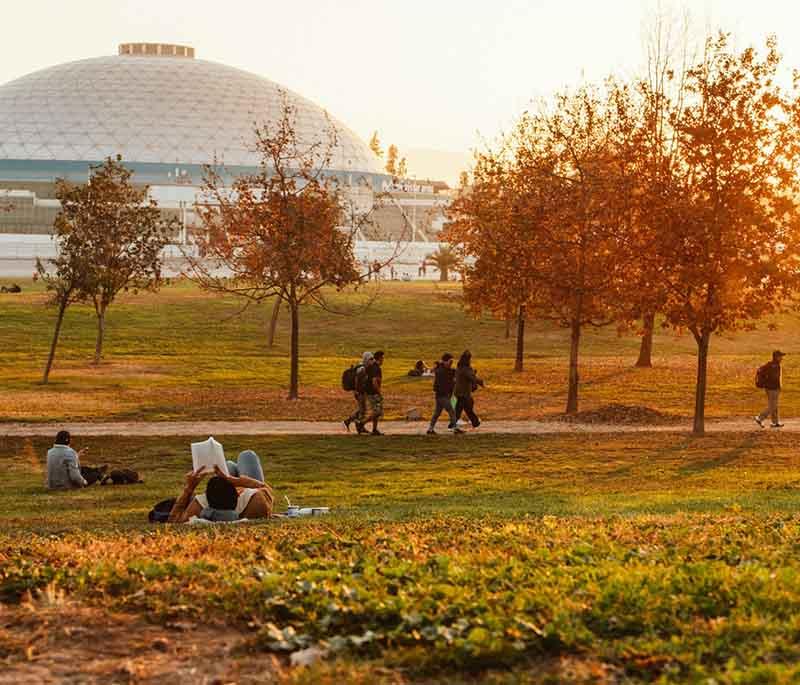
(444, 381)
(466, 381)
(772, 378)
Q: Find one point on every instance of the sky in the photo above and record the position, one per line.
(432, 75)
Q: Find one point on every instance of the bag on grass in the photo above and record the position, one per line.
(160, 512)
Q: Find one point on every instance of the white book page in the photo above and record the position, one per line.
(208, 454)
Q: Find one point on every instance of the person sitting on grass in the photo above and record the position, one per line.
(240, 494)
(64, 464)
(419, 370)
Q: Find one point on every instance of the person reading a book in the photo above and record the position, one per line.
(239, 494)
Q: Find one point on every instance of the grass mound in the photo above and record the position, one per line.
(624, 414)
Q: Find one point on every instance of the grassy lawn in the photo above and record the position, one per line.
(654, 557)
(182, 354)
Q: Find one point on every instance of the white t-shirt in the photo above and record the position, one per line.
(241, 503)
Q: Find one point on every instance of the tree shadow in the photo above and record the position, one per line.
(724, 459)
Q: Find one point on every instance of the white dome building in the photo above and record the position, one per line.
(159, 108)
(167, 115)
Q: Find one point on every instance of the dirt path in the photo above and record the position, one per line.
(203, 428)
(76, 645)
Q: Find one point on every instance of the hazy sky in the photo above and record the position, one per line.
(425, 73)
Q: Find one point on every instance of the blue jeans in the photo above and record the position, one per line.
(248, 464)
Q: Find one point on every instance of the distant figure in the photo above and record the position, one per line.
(467, 382)
(64, 464)
(419, 370)
(376, 269)
(444, 378)
(13, 288)
(392, 273)
(359, 416)
(373, 389)
(241, 494)
(769, 377)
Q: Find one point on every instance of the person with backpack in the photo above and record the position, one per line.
(444, 380)
(768, 378)
(467, 382)
(354, 380)
(372, 389)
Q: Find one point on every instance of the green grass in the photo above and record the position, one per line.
(183, 354)
(655, 557)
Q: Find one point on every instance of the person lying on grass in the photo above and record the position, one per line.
(227, 498)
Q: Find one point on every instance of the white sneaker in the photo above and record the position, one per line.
(758, 420)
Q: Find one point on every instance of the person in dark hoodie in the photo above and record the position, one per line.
(467, 382)
(444, 379)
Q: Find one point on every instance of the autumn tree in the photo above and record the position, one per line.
(392, 155)
(726, 213)
(64, 280)
(402, 168)
(122, 234)
(287, 231)
(375, 145)
(669, 50)
(492, 249)
(565, 199)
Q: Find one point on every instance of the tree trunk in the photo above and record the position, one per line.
(273, 322)
(101, 329)
(645, 360)
(62, 308)
(703, 341)
(572, 394)
(508, 328)
(443, 274)
(520, 338)
(294, 378)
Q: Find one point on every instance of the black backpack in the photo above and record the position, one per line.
(349, 377)
(160, 512)
(761, 376)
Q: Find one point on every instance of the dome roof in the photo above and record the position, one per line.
(156, 109)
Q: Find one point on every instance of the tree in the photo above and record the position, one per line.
(64, 279)
(279, 232)
(482, 227)
(668, 54)
(726, 214)
(391, 160)
(375, 145)
(572, 185)
(122, 234)
(444, 259)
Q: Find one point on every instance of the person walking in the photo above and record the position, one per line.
(444, 380)
(769, 378)
(359, 416)
(373, 387)
(467, 382)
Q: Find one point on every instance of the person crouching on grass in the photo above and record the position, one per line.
(769, 377)
(242, 494)
(64, 464)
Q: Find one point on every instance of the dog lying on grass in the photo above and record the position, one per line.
(93, 474)
(122, 477)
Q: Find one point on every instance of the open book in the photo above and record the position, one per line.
(208, 454)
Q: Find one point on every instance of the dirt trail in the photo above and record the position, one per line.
(203, 428)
